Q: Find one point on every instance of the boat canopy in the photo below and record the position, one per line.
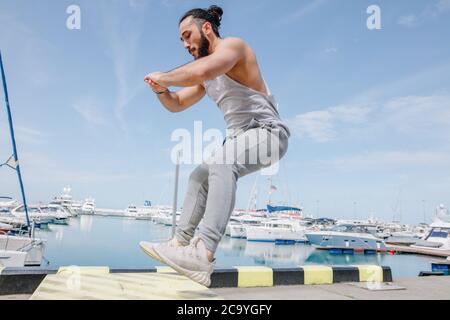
(271, 209)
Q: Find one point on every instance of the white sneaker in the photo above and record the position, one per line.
(148, 247)
(191, 261)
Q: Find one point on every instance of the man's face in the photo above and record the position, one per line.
(193, 38)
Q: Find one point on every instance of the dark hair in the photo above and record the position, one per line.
(213, 15)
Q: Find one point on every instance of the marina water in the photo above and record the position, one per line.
(91, 240)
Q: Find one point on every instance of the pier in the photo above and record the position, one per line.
(422, 251)
(240, 283)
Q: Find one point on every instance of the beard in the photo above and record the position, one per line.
(204, 46)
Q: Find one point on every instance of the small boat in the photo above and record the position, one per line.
(345, 236)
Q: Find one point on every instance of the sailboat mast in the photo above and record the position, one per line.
(13, 141)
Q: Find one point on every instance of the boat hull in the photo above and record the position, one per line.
(324, 240)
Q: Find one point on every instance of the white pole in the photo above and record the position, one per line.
(175, 196)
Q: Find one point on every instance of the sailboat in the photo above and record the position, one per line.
(18, 251)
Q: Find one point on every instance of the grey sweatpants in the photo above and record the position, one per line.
(212, 185)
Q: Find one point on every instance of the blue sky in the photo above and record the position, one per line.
(369, 109)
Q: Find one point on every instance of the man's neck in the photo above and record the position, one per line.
(215, 43)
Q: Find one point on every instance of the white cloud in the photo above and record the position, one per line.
(424, 116)
(418, 114)
(408, 21)
(331, 50)
(29, 135)
(122, 40)
(389, 159)
(430, 11)
(90, 112)
(138, 3)
(28, 49)
(322, 126)
(303, 11)
(443, 6)
(24, 134)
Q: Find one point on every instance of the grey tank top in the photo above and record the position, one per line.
(243, 107)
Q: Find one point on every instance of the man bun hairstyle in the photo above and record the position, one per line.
(212, 15)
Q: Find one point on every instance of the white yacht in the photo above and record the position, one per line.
(237, 228)
(59, 213)
(345, 236)
(65, 200)
(88, 206)
(438, 238)
(35, 214)
(278, 231)
(41, 214)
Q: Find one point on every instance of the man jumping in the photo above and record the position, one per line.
(225, 69)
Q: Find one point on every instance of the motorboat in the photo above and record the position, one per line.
(438, 238)
(59, 213)
(66, 201)
(39, 218)
(238, 225)
(345, 236)
(43, 214)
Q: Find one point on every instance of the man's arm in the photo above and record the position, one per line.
(182, 99)
(224, 58)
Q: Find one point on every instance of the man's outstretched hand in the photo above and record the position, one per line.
(152, 80)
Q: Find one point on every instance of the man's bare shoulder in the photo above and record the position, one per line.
(234, 42)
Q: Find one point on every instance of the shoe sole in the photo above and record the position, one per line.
(201, 277)
(149, 251)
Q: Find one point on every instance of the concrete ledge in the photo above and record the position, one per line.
(26, 280)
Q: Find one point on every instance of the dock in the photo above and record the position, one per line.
(250, 283)
(422, 251)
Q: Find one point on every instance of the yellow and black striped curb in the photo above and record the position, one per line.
(26, 280)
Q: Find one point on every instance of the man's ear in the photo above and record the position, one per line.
(207, 28)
